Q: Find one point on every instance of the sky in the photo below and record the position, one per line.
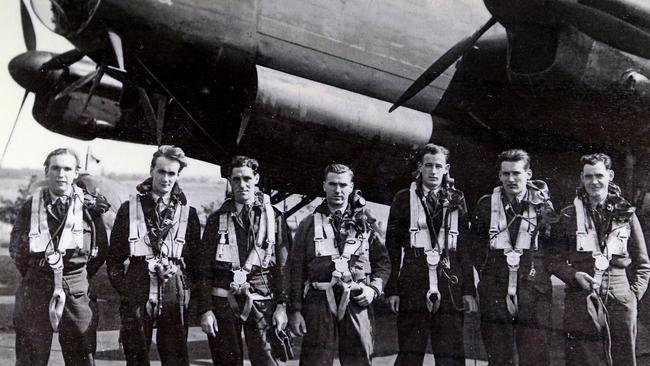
(31, 142)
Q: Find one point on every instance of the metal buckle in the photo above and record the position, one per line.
(601, 263)
(341, 264)
(239, 277)
(433, 257)
(513, 258)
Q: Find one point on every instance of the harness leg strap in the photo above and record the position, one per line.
(512, 257)
(58, 300)
(153, 304)
(433, 297)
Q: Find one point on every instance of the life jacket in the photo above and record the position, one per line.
(139, 242)
(587, 240)
(325, 244)
(420, 237)
(261, 255)
(500, 240)
(348, 278)
(72, 232)
(499, 234)
(227, 249)
(71, 237)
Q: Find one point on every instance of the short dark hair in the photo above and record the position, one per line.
(240, 161)
(432, 149)
(338, 169)
(62, 151)
(593, 159)
(514, 155)
(170, 152)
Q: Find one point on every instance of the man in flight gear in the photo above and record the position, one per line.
(432, 279)
(58, 243)
(339, 265)
(246, 245)
(159, 233)
(509, 232)
(600, 253)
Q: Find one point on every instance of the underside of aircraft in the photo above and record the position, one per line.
(299, 84)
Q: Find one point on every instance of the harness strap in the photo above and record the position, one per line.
(433, 296)
(513, 257)
(248, 305)
(329, 293)
(154, 302)
(72, 233)
(587, 240)
(57, 302)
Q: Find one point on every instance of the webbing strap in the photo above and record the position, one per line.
(179, 239)
(72, 234)
(329, 293)
(513, 257)
(232, 241)
(154, 304)
(433, 296)
(323, 237)
(415, 225)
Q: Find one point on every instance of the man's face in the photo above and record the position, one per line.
(595, 179)
(60, 173)
(514, 176)
(165, 174)
(433, 168)
(337, 188)
(243, 180)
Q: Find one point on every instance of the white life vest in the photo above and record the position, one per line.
(587, 241)
(419, 230)
(71, 237)
(227, 249)
(587, 237)
(500, 240)
(325, 244)
(499, 234)
(139, 242)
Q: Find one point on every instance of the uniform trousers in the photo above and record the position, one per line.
(584, 344)
(171, 324)
(77, 328)
(520, 340)
(416, 325)
(227, 347)
(352, 337)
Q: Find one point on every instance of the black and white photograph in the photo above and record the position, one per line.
(324, 182)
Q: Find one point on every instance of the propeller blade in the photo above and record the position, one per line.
(76, 85)
(116, 42)
(603, 27)
(442, 64)
(13, 128)
(28, 27)
(96, 80)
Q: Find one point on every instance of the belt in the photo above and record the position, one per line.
(248, 305)
(340, 309)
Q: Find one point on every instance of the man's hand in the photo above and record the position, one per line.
(297, 324)
(280, 317)
(470, 304)
(584, 280)
(393, 303)
(366, 296)
(209, 324)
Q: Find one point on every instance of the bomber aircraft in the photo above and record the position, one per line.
(300, 83)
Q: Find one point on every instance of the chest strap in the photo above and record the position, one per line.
(500, 240)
